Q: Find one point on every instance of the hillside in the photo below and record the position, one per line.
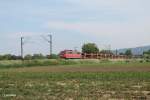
(136, 50)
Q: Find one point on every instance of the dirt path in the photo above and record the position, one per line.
(83, 69)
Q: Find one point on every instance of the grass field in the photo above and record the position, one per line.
(56, 62)
(99, 81)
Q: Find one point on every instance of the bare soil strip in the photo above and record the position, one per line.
(83, 69)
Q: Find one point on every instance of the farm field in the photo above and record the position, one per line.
(129, 81)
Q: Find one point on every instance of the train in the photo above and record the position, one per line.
(74, 54)
(70, 54)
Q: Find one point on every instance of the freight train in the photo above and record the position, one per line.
(73, 54)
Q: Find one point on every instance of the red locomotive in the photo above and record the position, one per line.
(70, 54)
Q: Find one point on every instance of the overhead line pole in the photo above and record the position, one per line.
(50, 42)
(21, 47)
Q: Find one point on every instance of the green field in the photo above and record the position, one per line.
(100, 81)
(4, 64)
(74, 86)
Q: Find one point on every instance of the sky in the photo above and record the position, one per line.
(119, 23)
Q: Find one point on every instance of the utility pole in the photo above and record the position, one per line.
(75, 48)
(49, 40)
(22, 47)
(109, 48)
(116, 52)
(50, 43)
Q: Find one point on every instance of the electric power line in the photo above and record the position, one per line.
(49, 41)
(25, 40)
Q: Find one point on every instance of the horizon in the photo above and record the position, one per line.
(121, 24)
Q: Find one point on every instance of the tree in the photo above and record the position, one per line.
(106, 52)
(14, 57)
(128, 52)
(52, 56)
(90, 48)
(28, 57)
(1, 57)
(146, 54)
(7, 57)
(38, 56)
(121, 53)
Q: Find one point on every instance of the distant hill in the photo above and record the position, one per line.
(135, 51)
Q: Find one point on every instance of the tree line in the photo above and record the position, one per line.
(27, 57)
(93, 48)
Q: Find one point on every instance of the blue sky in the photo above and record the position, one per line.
(119, 23)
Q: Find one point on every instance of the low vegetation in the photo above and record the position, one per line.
(28, 57)
(54, 62)
(74, 79)
(74, 86)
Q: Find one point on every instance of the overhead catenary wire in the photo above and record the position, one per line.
(49, 41)
(24, 40)
(30, 39)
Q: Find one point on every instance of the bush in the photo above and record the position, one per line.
(28, 57)
(53, 56)
(127, 61)
(38, 56)
(147, 60)
(141, 61)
